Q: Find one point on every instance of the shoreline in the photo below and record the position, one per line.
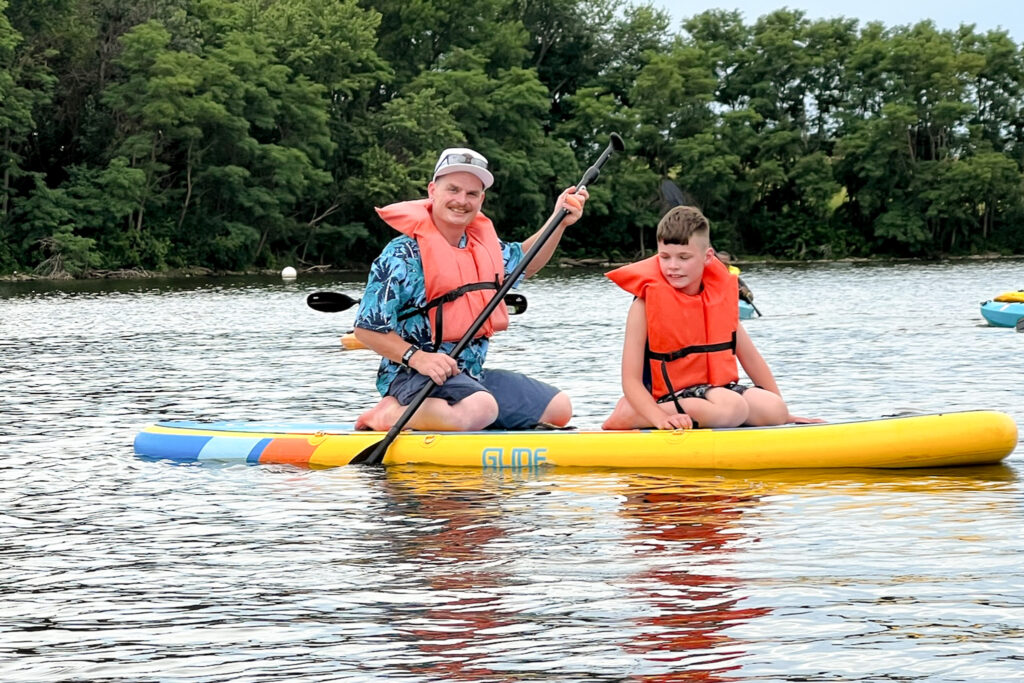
(563, 262)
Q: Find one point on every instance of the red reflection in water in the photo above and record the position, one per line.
(458, 537)
(693, 609)
(690, 611)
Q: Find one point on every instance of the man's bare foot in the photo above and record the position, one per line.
(380, 417)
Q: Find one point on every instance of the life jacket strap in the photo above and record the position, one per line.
(696, 348)
(666, 358)
(671, 390)
(448, 297)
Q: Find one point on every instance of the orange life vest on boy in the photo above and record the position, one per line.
(691, 338)
(457, 280)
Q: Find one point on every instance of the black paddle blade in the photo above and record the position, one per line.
(370, 455)
(672, 196)
(516, 303)
(330, 302)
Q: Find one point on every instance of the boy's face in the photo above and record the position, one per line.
(683, 264)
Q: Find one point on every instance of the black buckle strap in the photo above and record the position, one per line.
(667, 358)
(448, 298)
(459, 291)
(439, 301)
(696, 348)
(671, 390)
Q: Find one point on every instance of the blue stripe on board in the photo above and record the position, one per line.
(257, 451)
(229, 448)
(178, 447)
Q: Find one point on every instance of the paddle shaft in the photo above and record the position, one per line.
(374, 455)
(759, 313)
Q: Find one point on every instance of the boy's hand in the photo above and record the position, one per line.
(677, 421)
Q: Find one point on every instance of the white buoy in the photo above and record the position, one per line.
(288, 273)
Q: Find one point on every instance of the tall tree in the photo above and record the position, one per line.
(26, 87)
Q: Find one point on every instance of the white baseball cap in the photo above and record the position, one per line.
(463, 159)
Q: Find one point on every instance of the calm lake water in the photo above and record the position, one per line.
(114, 568)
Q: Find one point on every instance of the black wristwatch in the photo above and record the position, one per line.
(407, 356)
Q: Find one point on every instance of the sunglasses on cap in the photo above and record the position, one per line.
(460, 158)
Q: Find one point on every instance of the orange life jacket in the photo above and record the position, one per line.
(457, 280)
(691, 338)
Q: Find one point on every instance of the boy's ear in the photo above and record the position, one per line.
(709, 256)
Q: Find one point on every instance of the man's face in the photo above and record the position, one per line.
(457, 198)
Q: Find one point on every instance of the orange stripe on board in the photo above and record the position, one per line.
(288, 451)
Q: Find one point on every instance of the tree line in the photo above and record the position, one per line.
(240, 134)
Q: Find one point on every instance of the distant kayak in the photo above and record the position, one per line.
(1004, 310)
(936, 440)
(349, 341)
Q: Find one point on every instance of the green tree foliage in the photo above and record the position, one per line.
(26, 87)
(238, 134)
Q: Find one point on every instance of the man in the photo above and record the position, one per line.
(425, 290)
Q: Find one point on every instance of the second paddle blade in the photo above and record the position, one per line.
(330, 302)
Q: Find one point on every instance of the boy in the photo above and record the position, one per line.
(683, 329)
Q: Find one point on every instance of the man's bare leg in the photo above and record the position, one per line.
(473, 413)
(558, 411)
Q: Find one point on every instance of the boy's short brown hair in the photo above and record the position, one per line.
(681, 223)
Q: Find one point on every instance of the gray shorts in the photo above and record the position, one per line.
(700, 391)
(521, 399)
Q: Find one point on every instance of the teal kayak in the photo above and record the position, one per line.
(1002, 313)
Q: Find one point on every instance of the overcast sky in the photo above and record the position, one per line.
(947, 14)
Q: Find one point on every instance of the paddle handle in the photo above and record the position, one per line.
(376, 456)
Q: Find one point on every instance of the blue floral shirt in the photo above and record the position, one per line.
(396, 286)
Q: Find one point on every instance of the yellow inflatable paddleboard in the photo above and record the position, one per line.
(935, 440)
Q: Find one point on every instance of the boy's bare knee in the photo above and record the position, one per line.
(721, 408)
(767, 410)
(736, 414)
